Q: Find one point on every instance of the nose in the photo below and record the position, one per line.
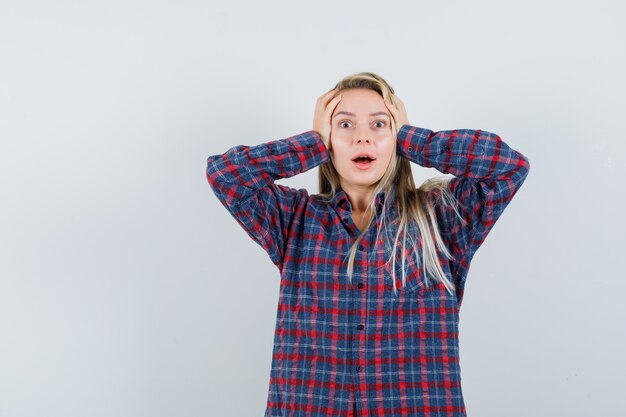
(362, 136)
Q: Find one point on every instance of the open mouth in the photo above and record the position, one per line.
(363, 162)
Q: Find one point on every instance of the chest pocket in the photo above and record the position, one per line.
(413, 268)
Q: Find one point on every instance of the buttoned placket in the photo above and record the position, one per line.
(358, 296)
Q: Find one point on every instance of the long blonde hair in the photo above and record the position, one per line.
(413, 205)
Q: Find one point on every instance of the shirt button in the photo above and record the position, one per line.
(358, 368)
(361, 247)
(360, 327)
(360, 285)
(410, 149)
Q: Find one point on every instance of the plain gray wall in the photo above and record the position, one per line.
(126, 289)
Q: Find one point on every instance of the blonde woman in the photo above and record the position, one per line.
(372, 267)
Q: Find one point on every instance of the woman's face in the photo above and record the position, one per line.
(361, 124)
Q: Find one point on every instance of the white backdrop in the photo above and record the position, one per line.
(126, 289)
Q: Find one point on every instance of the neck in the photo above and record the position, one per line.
(360, 198)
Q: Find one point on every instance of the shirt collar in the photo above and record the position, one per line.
(340, 199)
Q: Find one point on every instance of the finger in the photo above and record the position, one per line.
(400, 103)
(329, 93)
(333, 104)
(337, 98)
(396, 99)
(325, 99)
(391, 107)
(332, 94)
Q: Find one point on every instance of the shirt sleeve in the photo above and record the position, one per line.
(243, 178)
(487, 174)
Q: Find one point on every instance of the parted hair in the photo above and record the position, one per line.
(414, 206)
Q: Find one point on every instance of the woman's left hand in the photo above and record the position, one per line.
(398, 112)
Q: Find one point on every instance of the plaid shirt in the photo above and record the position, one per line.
(342, 348)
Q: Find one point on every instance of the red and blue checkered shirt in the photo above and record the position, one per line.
(359, 348)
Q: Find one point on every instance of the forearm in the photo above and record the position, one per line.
(242, 170)
(474, 154)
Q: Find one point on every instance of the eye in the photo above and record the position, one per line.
(341, 123)
(382, 123)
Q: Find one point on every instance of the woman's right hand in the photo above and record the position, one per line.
(324, 108)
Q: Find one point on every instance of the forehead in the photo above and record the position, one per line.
(361, 101)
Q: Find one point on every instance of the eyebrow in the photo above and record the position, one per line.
(347, 113)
